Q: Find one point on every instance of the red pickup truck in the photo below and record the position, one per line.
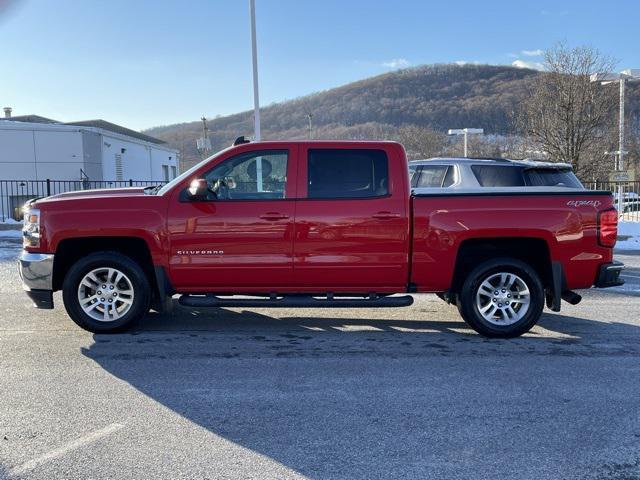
(316, 224)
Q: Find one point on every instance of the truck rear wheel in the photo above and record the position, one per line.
(106, 292)
(501, 298)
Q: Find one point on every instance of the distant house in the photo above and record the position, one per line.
(38, 148)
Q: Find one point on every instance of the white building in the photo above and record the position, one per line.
(92, 150)
(83, 154)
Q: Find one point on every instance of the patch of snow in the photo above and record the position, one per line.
(630, 244)
(10, 221)
(631, 230)
(10, 233)
(9, 249)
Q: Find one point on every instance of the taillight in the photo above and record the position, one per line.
(608, 227)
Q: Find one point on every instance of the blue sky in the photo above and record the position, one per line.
(145, 63)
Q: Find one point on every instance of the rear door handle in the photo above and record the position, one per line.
(272, 216)
(386, 215)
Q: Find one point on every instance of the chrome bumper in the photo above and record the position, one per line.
(36, 273)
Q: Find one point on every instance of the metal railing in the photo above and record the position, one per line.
(630, 197)
(14, 193)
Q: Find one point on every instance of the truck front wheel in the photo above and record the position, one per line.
(106, 292)
(501, 298)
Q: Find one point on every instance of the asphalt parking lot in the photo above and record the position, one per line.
(388, 393)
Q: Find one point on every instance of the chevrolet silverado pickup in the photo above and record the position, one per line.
(316, 224)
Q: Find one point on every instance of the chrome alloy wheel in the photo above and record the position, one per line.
(105, 294)
(503, 298)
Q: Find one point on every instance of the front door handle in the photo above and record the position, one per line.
(386, 215)
(273, 216)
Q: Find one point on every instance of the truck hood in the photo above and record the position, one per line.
(100, 192)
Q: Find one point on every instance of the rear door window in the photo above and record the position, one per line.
(347, 173)
(498, 176)
(413, 175)
(431, 176)
(551, 177)
(450, 177)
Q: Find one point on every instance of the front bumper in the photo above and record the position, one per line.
(36, 273)
(609, 275)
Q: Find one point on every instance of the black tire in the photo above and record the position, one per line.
(133, 271)
(468, 308)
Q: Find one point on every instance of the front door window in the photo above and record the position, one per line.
(250, 176)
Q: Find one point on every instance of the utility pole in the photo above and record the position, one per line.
(621, 127)
(203, 144)
(310, 116)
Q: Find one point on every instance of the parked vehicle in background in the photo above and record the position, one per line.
(319, 224)
(473, 173)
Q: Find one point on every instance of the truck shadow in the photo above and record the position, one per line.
(551, 326)
(331, 397)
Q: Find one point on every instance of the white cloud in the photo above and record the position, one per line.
(465, 62)
(533, 53)
(397, 63)
(532, 65)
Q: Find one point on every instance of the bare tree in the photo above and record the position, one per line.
(421, 142)
(565, 114)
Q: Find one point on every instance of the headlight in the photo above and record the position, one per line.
(31, 229)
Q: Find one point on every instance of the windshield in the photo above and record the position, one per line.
(187, 173)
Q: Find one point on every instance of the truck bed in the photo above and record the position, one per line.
(565, 220)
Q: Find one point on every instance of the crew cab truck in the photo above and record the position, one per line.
(316, 224)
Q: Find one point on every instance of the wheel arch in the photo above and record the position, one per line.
(70, 250)
(533, 251)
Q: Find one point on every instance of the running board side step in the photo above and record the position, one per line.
(296, 301)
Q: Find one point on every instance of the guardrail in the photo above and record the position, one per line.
(630, 195)
(13, 193)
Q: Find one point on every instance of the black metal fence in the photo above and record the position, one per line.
(14, 193)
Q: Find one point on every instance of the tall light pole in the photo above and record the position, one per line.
(621, 78)
(465, 132)
(254, 55)
(256, 97)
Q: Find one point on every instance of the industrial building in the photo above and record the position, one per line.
(34, 148)
(37, 148)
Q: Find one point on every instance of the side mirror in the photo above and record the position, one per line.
(198, 189)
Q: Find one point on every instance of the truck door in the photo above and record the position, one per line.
(241, 237)
(351, 220)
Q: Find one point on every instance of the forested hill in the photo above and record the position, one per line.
(434, 96)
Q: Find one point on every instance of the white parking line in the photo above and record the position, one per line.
(60, 451)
